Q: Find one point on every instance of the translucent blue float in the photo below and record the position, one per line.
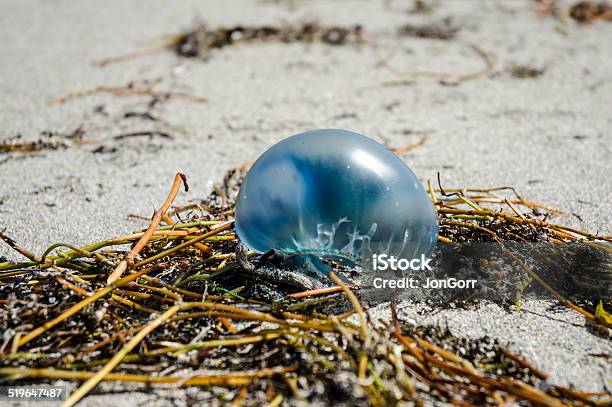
(334, 193)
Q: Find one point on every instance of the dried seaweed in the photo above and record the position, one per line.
(525, 71)
(183, 311)
(583, 12)
(589, 11)
(441, 30)
(199, 42)
(421, 7)
(48, 140)
(90, 134)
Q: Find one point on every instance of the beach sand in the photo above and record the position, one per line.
(548, 136)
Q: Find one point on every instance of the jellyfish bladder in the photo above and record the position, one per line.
(334, 193)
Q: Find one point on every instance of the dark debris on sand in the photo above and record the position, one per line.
(525, 71)
(589, 11)
(48, 140)
(199, 42)
(441, 30)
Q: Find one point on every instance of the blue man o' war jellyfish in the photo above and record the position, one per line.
(334, 193)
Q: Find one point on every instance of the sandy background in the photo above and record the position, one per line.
(547, 136)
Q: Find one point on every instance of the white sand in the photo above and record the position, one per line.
(548, 136)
